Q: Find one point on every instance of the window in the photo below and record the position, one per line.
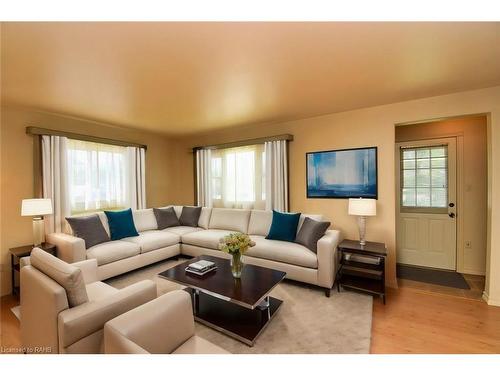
(238, 177)
(424, 177)
(97, 176)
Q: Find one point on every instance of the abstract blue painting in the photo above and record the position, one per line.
(342, 173)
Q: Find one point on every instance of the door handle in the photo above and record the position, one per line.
(451, 214)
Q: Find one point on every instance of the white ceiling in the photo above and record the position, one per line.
(180, 78)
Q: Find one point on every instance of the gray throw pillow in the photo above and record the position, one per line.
(310, 232)
(66, 275)
(166, 217)
(89, 228)
(190, 216)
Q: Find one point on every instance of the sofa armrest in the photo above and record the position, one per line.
(116, 343)
(83, 320)
(159, 326)
(69, 248)
(89, 270)
(327, 257)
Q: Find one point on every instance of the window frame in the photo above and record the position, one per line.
(78, 212)
(416, 209)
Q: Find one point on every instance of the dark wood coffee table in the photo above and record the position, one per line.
(240, 308)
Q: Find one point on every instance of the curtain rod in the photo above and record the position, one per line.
(247, 142)
(33, 130)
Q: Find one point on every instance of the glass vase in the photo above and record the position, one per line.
(236, 265)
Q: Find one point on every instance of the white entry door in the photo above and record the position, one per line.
(426, 222)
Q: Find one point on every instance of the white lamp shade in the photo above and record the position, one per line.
(36, 207)
(362, 207)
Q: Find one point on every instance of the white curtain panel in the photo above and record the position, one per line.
(276, 175)
(136, 177)
(203, 177)
(55, 181)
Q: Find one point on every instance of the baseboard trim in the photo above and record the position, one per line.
(490, 301)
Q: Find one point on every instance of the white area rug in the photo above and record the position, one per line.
(308, 322)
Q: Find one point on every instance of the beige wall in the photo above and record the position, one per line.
(17, 169)
(473, 212)
(369, 127)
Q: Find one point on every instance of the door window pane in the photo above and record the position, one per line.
(423, 163)
(439, 178)
(424, 181)
(409, 154)
(423, 153)
(408, 197)
(438, 163)
(409, 164)
(409, 178)
(423, 197)
(423, 177)
(438, 151)
(438, 197)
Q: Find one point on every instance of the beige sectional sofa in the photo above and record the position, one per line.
(153, 245)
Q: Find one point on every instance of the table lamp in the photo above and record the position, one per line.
(362, 208)
(37, 208)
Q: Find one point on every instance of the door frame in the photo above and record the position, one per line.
(460, 246)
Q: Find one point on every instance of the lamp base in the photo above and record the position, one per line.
(362, 229)
(38, 231)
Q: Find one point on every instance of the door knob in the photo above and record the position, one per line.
(451, 214)
(451, 204)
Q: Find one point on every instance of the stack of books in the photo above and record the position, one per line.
(201, 267)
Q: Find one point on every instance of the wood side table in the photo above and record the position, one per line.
(16, 253)
(365, 273)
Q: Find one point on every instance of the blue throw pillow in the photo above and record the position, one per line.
(284, 226)
(121, 224)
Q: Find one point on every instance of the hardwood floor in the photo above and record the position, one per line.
(9, 325)
(420, 321)
(412, 321)
(476, 284)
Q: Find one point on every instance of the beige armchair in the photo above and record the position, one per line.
(162, 326)
(64, 307)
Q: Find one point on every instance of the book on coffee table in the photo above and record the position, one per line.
(201, 267)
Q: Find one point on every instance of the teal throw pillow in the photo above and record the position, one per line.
(121, 224)
(284, 226)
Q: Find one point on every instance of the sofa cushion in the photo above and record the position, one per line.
(205, 238)
(284, 226)
(230, 219)
(310, 232)
(66, 275)
(89, 228)
(144, 219)
(260, 222)
(311, 216)
(205, 215)
(204, 219)
(99, 290)
(154, 240)
(112, 251)
(282, 251)
(190, 216)
(198, 345)
(182, 230)
(121, 224)
(166, 217)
